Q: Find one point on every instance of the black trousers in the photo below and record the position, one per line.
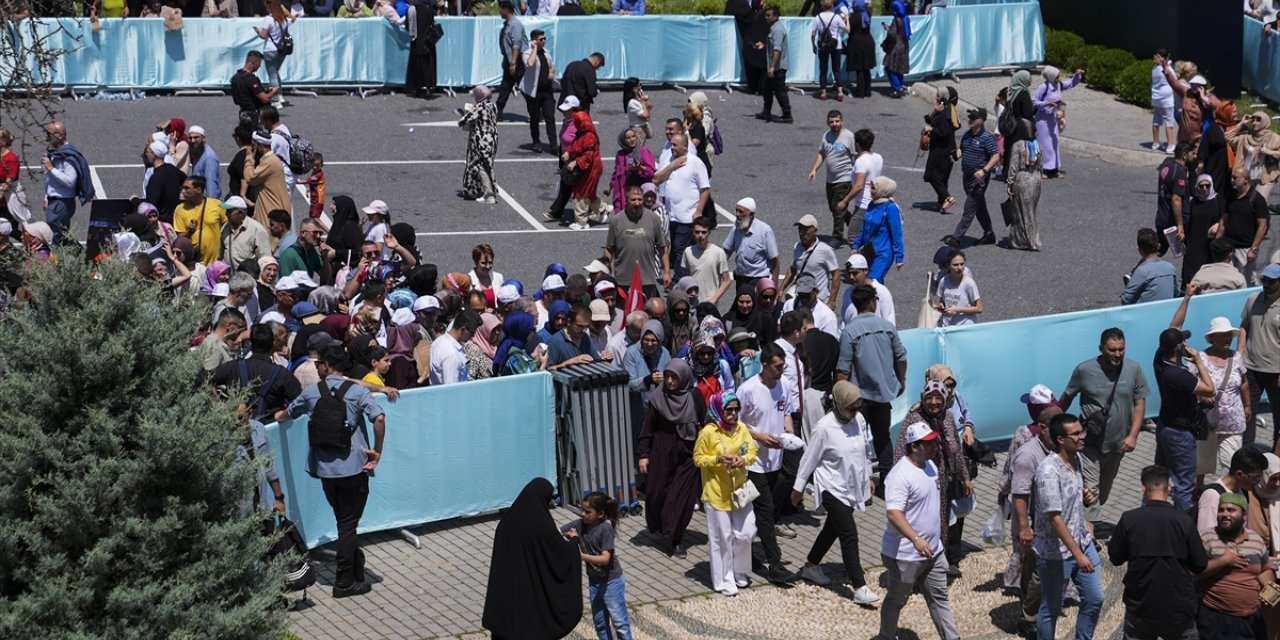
(509, 81)
(863, 88)
(776, 88)
(975, 205)
(1259, 382)
(829, 60)
(766, 510)
(542, 109)
(879, 415)
(839, 524)
(347, 496)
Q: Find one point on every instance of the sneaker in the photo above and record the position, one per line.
(864, 595)
(356, 589)
(549, 217)
(742, 580)
(486, 200)
(536, 147)
(785, 530)
(813, 573)
(729, 593)
(781, 576)
(579, 227)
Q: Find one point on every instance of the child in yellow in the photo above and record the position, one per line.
(723, 451)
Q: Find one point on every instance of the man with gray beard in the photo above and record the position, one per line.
(752, 246)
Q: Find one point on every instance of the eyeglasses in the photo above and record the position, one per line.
(582, 326)
(371, 254)
(729, 410)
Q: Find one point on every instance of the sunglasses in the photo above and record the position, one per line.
(371, 254)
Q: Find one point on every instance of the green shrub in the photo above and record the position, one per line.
(1134, 84)
(1059, 46)
(1105, 67)
(708, 7)
(1080, 59)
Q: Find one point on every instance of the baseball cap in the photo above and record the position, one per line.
(426, 303)
(570, 102)
(856, 261)
(747, 203)
(596, 266)
(1038, 394)
(1170, 338)
(271, 316)
(977, 112)
(303, 279)
(1199, 79)
(286, 283)
(553, 282)
(738, 334)
(1271, 272)
(234, 202)
(320, 340)
(919, 431)
(506, 294)
(806, 284)
(603, 286)
(377, 207)
(807, 220)
(599, 311)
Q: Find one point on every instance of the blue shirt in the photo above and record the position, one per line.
(976, 150)
(869, 352)
(1152, 280)
(560, 349)
(752, 249)
(333, 463)
(207, 167)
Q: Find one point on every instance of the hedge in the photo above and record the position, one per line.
(1106, 66)
(1134, 83)
(1059, 46)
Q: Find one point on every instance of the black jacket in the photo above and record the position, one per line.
(579, 80)
(1161, 546)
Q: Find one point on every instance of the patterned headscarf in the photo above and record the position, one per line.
(716, 409)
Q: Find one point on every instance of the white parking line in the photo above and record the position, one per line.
(725, 212)
(97, 183)
(506, 197)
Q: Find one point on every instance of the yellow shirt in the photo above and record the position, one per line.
(207, 236)
(718, 482)
(373, 378)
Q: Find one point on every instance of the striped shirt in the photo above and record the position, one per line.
(977, 149)
(1234, 591)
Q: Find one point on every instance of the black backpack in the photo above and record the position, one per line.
(328, 427)
(1007, 123)
(827, 42)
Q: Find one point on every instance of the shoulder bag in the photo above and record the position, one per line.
(929, 316)
(746, 494)
(1095, 424)
(1211, 416)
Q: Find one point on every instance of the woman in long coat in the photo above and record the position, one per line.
(859, 50)
(1049, 104)
(672, 419)
(420, 77)
(583, 154)
(1024, 190)
(482, 145)
(941, 125)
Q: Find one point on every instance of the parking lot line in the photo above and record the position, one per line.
(524, 213)
(97, 183)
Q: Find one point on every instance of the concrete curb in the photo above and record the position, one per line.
(1106, 153)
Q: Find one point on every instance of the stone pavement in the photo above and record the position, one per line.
(438, 590)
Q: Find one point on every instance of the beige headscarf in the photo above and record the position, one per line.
(1262, 132)
(1051, 74)
(885, 188)
(844, 395)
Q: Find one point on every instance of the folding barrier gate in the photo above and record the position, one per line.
(594, 447)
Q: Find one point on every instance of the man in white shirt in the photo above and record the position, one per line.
(767, 405)
(707, 263)
(269, 116)
(674, 126)
(448, 360)
(819, 315)
(912, 544)
(687, 188)
(866, 167)
(856, 271)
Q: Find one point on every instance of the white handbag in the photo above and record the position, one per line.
(745, 495)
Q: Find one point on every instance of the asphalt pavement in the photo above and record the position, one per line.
(409, 153)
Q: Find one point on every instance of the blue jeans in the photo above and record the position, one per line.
(1053, 580)
(681, 239)
(272, 60)
(895, 80)
(609, 606)
(1176, 450)
(58, 215)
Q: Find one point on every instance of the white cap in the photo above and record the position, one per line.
(377, 207)
(856, 261)
(303, 279)
(603, 286)
(596, 266)
(599, 311)
(286, 283)
(221, 289)
(919, 431)
(402, 317)
(160, 149)
(235, 202)
(553, 282)
(1038, 394)
(570, 102)
(426, 303)
(748, 203)
(807, 220)
(508, 293)
(271, 316)
(1199, 79)
(160, 137)
(195, 130)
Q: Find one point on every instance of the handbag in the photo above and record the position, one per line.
(569, 176)
(890, 41)
(955, 486)
(1095, 424)
(924, 140)
(435, 32)
(1006, 211)
(929, 316)
(745, 495)
(1211, 416)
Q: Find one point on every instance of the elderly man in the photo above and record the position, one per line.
(308, 254)
(265, 173)
(243, 239)
(856, 272)
(1153, 279)
(752, 246)
(200, 219)
(816, 259)
(226, 335)
(66, 178)
(1245, 222)
(630, 334)
(635, 238)
(204, 162)
(686, 186)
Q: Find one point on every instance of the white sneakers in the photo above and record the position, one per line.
(864, 595)
(486, 200)
(579, 227)
(813, 573)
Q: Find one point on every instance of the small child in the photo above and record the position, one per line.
(594, 533)
(379, 365)
(315, 186)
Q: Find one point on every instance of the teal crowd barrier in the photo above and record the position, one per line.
(1260, 66)
(139, 53)
(449, 451)
(995, 363)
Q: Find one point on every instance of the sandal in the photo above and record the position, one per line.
(947, 204)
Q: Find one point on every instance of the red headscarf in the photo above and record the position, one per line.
(178, 126)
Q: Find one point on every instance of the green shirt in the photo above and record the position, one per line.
(1093, 385)
(295, 258)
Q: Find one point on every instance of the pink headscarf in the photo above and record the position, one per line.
(483, 336)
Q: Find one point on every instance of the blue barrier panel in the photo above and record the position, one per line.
(449, 451)
(139, 53)
(1261, 60)
(997, 362)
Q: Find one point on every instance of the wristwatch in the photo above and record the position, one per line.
(280, 497)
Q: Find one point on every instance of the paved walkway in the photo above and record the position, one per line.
(438, 590)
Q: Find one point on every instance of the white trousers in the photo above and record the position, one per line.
(729, 535)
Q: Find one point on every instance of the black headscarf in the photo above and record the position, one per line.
(300, 341)
(822, 350)
(535, 575)
(141, 227)
(757, 322)
(405, 235)
(345, 235)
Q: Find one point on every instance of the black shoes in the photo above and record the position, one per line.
(782, 577)
(356, 589)
(987, 238)
(785, 120)
(763, 115)
(951, 241)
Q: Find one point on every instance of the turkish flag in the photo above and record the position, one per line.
(635, 293)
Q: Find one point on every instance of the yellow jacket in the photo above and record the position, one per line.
(719, 482)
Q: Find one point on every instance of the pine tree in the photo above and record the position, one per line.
(123, 515)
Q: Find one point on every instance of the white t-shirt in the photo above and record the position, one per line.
(824, 319)
(914, 492)
(871, 164)
(684, 187)
(377, 233)
(707, 267)
(834, 23)
(763, 410)
(964, 294)
(274, 34)
(884, 303)
(635, 114)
